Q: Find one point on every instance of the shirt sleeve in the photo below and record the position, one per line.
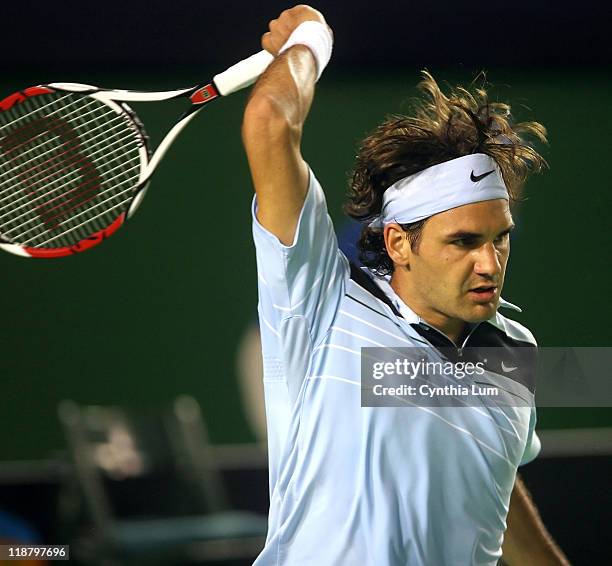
(300, 286)
(533, 444)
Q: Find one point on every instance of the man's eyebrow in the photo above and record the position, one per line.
(463, 234)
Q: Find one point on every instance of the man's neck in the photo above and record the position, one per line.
(453, 328)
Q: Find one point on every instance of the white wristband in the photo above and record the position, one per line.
(317, 37)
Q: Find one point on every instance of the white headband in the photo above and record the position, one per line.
(465, 180)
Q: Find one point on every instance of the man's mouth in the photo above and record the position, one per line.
(483, 293)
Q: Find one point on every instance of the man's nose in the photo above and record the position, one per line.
(488, 260)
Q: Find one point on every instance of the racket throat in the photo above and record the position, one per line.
(204, 94)
(140, 192)
(161, 150)
(147, 171)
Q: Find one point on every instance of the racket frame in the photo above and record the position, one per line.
(239, 76)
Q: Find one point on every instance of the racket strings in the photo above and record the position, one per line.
(67, 161)
(72, 122)
(56, 127)
(101, 214)
(120, 193)
(21, 226)
(4, 227)
(89, 181)
(119, 206)
(39, 108)
(24, 130)
(61, 177)
(125, 140)
(69, 165)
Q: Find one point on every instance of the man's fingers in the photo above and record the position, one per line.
(271, 42)
(266, 43)
(281, 28)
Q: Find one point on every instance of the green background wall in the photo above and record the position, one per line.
(159, 308)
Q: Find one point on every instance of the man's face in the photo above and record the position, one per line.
(457, 271)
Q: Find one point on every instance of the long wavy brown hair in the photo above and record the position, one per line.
(442, 127)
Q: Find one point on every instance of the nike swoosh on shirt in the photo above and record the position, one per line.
(476, 178)
(508, 369)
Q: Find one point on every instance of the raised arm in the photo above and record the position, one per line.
(273, 122)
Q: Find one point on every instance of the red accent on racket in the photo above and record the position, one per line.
(83, 245)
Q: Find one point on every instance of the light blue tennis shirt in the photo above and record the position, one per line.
(376, 486)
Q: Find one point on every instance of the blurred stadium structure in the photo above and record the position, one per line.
(145, 319)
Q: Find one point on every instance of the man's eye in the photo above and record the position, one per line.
(501, 239)
(464, 242)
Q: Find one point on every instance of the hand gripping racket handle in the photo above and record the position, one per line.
(243, 73)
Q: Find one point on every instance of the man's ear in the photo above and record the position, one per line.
(398, 245)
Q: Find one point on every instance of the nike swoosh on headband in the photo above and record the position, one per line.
(476, 178)
(411, 199)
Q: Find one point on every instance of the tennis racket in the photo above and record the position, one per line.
(75, 161)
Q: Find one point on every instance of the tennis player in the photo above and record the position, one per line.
(412, 485)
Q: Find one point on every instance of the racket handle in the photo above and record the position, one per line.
(243, 73)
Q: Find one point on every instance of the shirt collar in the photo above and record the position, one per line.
(509, 305)
(383, 282)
